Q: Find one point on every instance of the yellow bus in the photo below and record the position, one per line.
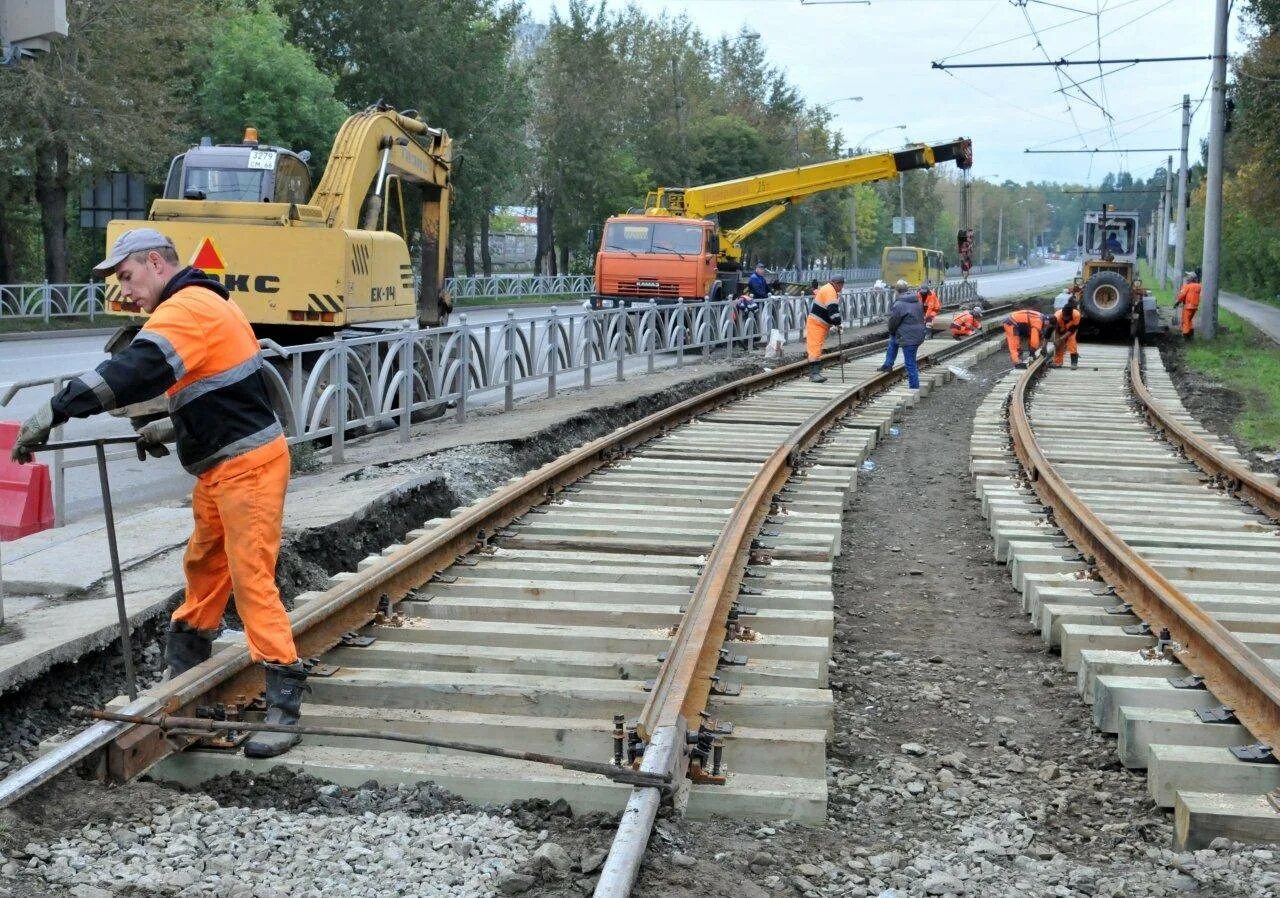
(913, 265)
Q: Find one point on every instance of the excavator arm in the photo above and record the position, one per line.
(371, 147)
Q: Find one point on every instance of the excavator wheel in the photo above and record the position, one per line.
(1105, 297)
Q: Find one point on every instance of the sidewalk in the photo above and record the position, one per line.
(1264, 316)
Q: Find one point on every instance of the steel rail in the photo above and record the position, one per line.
(683, 685)
(1260, 492)
(120, 752)
(1231, 670)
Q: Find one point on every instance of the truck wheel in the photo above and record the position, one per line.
(1105, 297)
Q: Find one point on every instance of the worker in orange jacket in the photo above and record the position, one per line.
(198, 349)
(1189, 299)
(966, 323)
(932, 304)
(824, 314)
(1025, 323)
(1066, 323)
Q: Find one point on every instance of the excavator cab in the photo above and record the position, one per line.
(248, 172)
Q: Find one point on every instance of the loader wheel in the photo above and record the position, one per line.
(1105, 297)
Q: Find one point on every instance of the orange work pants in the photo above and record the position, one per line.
(1014, 342)
(234, 548)
(815, 334)
(1188, 319)
(1063, 344)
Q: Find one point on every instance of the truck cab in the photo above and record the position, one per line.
(1110, 291)
(643, 257)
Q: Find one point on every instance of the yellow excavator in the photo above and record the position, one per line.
(671, 249)
(301, 265)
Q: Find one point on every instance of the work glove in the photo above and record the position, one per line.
(34, 433)
(152, 438)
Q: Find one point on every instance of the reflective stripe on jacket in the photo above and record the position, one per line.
(825, 307)
(198, 348)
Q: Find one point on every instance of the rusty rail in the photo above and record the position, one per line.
(1231, 670)
(683, 685)
(1237, 479)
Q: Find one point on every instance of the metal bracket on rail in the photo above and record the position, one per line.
(352, 639)
(1142, 629)
(315, 669)
(706, 751)
(719, 688)
(728, 659)
(1221, 714)
(442, 578)
(1122, 608)
(1191, 682)
(1258, 753)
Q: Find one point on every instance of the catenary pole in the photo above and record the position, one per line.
(1180, 237)
(1213, 197)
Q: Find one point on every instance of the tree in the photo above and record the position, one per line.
(111, 95)
(251, 75)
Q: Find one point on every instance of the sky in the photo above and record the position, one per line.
(884, 52)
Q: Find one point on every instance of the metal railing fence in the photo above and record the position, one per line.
(348, 386)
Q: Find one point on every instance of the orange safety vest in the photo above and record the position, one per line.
(1189, 295)
(824, 311)
(932, 304)
(1062, 325)
(1025, 320)
(965, 324)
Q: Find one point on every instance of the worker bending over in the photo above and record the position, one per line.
(931, 303)
(197, 348)
(1066, 323)
(824, 314)
(1025, 323)
(967, 323)
(1189, 299)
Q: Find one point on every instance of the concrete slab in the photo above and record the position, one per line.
(1140, 728)
(1201, 817)
(1189, 768)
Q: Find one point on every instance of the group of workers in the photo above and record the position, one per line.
(1029, 324)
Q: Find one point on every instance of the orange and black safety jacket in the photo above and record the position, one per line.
(932, 304)
(1189, 295)
(965, 324)
(1024, 321)
(825, 308)
(199, 349)
(1064, 325)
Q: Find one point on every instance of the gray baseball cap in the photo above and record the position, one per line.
(131, 242)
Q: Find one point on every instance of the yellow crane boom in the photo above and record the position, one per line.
(789, 186)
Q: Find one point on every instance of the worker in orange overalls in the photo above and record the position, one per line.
(932, 305)
(1066, 322)
(967, 322)
(1025, 323)
(824, 314)
(197, 348)
(1189, 299)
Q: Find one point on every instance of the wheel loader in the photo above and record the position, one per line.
(1108, 289)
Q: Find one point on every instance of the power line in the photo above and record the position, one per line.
(1116, 150)
(1056, 63)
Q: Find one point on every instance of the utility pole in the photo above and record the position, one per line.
(1027, 254)
(999, 237)
(853, 226)
(902, 207)
(1180, 238)
(1213, 199)
(1166, 210)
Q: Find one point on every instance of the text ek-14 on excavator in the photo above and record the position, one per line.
(304, 265)
(671, 249)
(1110, 292)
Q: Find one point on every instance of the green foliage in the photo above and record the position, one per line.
(1247, 361)
(251, 75)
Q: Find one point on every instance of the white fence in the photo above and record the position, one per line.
(332, 390)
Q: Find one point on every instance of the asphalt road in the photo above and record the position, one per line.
(140, 484)
(1261, 315)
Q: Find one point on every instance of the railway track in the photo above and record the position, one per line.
(665, 587)
(1147, 553)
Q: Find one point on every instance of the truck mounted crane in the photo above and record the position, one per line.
(672, 248)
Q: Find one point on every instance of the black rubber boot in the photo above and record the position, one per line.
(1188, 335)
(815, 373)
(285, 685)
(1075, 360)
(1020, 364)
(186, 647)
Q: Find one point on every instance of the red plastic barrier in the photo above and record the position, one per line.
(26, 492)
